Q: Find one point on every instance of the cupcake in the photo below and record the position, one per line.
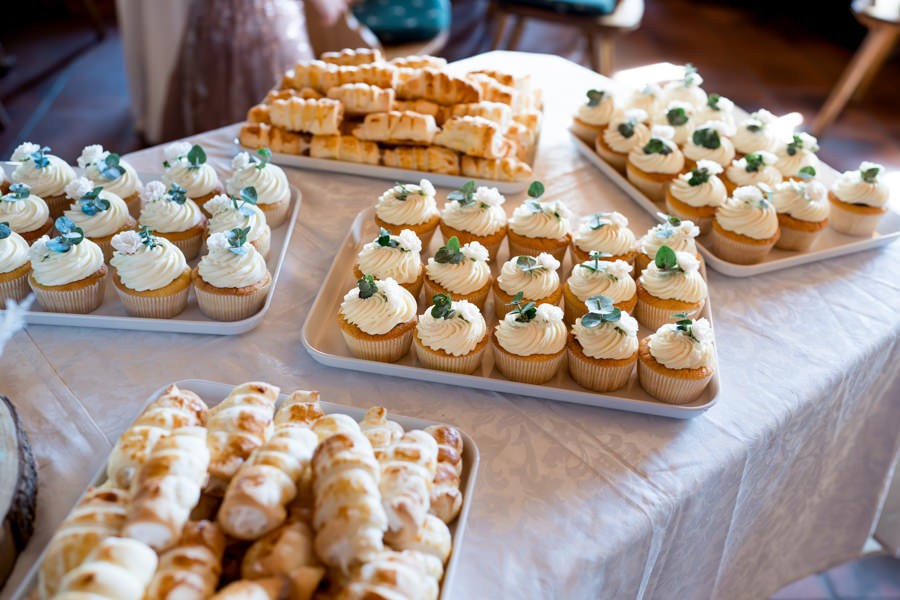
(680, 117)
(745, 227)
(754, 134)
(687, 89)
(537, 227)
(623, 134)
(27, 214)
(594, 115)
(671, 284)
(98, 213)
(530, 342)
(378, 319)
(602, 346)
(756, 168)
(231, 281)
(113, 174)
(172, 215)
(185, 165)
(709, 142)
(597, 277)
(535, 277)
(395, 256)
(150, 274)
(461, 272)
(451, 336)
(408, 206)
(14, 265)
(606, 233)
(4, 181)
(717, 108)
(46, 174)
(673, 232)
(676, 363)
(652, 166)
(475, 215)
(273, 192)
(67, 272)
(695, 195)
(802, 209)
(796, 155)
(646, 98)
(239, 212)
(858, 200)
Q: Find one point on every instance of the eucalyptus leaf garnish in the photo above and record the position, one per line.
(593, 262)
(795, 146)
(595, 97)
(248, 201)
(536, 189)
(712, 101)
(806, 173)
(147, 237)
(176, 194)
(265, 155)
(5, 230)
(677, 116)
(666, 261)
(754, 162)
(699, 176)
(706, 137)
(367, 286)
(196, 157)
(110, 167)
(237, 240)
(401, 192)
(869, 175)
(690, 75)
(450, 253)
(657, 146)
(755, 126)
(464, 195)
(527, 264)
(526, 312)
(626, 128)
(69, 235)
(600, 310)
(91, 203)
(385, 240)
(39, 158)
(443, 307)
(595, 223)
(17, 191)
(685, 325)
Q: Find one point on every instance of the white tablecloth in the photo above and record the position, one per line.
(783, 477)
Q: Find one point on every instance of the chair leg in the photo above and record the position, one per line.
(500, 28)
(607, 54)
(516, 36)
(592, 50)
(874, 67)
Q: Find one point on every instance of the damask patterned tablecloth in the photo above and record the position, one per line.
(782, 477)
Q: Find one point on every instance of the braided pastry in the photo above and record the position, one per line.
(190, 570)
(311, 116)
(345, 147)
(395, 127)
(407, 470)
(446, 498)
(117, 569)
(440, 87)
(433, 159)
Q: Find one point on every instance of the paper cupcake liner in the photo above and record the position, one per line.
(190, 247)
(654, 317)
(617, 161)
(465, 364)
(133, 202)
(276, 212)
(526, 369)
(16, 289)
(57, 205)
(263, 242)
(381, 350)
(230, 307)
(517, 249)
(155, 307)
(738, 252)
(796, 239)
(81, 301)
(702, 223)
(654, 190)
(586, 132)
(598, 378)
(851, 223)
(672, 390)
(477, 299)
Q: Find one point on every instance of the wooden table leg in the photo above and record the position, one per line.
(516, 35)
(502, 18)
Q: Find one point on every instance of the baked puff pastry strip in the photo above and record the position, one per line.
(320, 117)
(395, 127)
(281, 551)
(262, 135)
(380, 431)
(423, 61)
(362, 98)
(446, 497)
(520, 83)
(315, 74)
(475, 136)
(432, 159)
(500, 169)
(117, 569)
(346, 148)
(381, 75)
(190, 570)
(439, 87)
(348, 57)
(496, 112)
(433, 538)
(492, 90)
(407, 471)
(395, 575)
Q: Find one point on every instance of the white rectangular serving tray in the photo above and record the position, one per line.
(112, 314)
(322, 338)
(829, 244)
(214, 392)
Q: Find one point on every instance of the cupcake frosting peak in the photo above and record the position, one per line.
(153, 191)
(662, 132)
(535, 219)
(377, 306)
(529, 330)
(77, 188)
(687, 344)
(711, 167)
(232, 262)
(176, 151)
(25, 150)
(864, 186)
(57, 261)
(91, 154)
(635, 115)
(456, 327)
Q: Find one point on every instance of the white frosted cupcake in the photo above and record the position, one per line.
(185, 164)
(594, 115)
(151, 276)
(745, 227)
(754, 134)
(596, 277)
(537, 227)
(100, 214)
(4, 181)
(174, 216)
(709, 142)
(27, 214)
(673, 232)
(378, 319)
(646, 98)
(603, 346)
(240, 212)
(231, 281)
(756, 168)
(695, 195)
(530, 342)
(14, 265)
(535, 277)
(114, 175)
(393, 256)
(273, 192)
(606, 233)
(687, 89)
(717, 108)
(47, 175)
(652, 166)
(797, 155)
(475, 215)
(624, 133)
(802, 208)
(67, 272)
(679, 116)
(409, 206)
(858, 200)
(451, 336)
(671, 284)
(461, 272)
(676, 363)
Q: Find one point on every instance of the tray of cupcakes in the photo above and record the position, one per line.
(751, 182)
(179, 250)
(529, 304)
(248, 492)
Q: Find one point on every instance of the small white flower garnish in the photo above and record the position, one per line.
(475, 251)
(810, 143)
(241, 161)
(627, 324)
(548, 313)
(617, 268)
(217, 242)
(662, 132)
(720, 127)
(79, 187)
(127, 242)
(609, 218)
(687, 262)
(713, 168)
(488, 195)
(814, 191)
(557, 206)
(23, 151)
(427, 188)
(91, 154)
(409, 241)
(153, 191)
(638, 115)
(172, 152)
(39, 249)
(702, 330)
(868, 165)
(686, 106)
(547, 261)
(747, 194)
(218, 204)
(650, 89)
(763, 116)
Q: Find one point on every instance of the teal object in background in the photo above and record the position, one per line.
(404, 21)
(587, 8)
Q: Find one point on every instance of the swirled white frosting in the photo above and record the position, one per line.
(467, 277)
(403, 263)
(226, 217)
(853, 189)
(790, 165)
(766, 174)
(13, 252)
(142, 268)
(418, 207)
(544, 334)
(686, 90)
(722, 155)
(711, 192)
(391, 305)
(222, 268)
(59, 268)
(270, 182)
(106, 222)
(535, 284)
(165, 216)
(640, 135)
(679, 238)
(647, 98)
(484, 217)
(125, 185)
(457, 335)
(44, 181)
(680, 133)
(748, 213)
(747, 141)
(675, 350)
(27, 214)
(610, 279)
(802, 200)
(724, 112)
(686, 285)
(673, 162)
(611, 341)
(599, 114)
(198, 181)
(552, 222)
(611, 237)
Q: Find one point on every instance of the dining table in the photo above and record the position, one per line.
(784, 475)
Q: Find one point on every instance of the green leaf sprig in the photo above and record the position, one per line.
(385, 240)
(666, 261)
(147, 237)
(464, 195)
(401, 192)
(699, 176)
(528, 264)
(657, 146)
(450, 253)
(17, 191)
(690, 75)
(237, 240)
(526, 312)
(91, 203)
(706, 137)
(626, 128)
(39, 158)
(536, 189)
(795, 145)
(595, 223)
(443, 307)
(595, 97)
(110, 167)
(870, 175)
(600, 310)
(594, 259)
(754, 162)
(677, 116)
(712, 101)
(807, 173)
(265, 155)
(196, 157)
(367, 286)
(685, 325)
(248, 200)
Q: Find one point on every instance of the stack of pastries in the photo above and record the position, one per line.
(410, 113)
(256, 498)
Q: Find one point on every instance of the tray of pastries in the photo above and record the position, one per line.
(235, 492)
(354, 112)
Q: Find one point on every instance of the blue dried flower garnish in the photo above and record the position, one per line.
(39, 158)
(5, 230)
(69, 235)
(176, 194)
(91, 203)
(17, 191)
(109, 167)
